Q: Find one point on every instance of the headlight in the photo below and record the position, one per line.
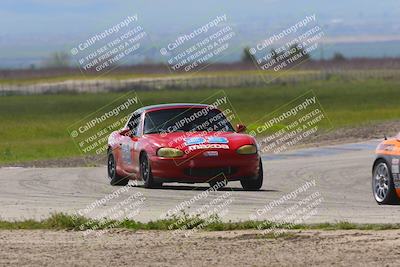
(247, 149)
(167, 152)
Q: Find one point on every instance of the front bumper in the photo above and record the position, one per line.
(200, 168)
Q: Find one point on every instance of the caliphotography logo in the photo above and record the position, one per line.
(91, 133)
(194, 50)
(199, 133)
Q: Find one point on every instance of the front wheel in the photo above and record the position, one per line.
(254, 183)
(145, 172)
(115, 179)
(382, 184)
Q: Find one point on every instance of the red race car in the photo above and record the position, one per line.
(188, 143)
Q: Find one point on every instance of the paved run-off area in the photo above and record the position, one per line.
(342, 191)
(326, 184)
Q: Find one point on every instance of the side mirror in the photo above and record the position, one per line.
(240, 128)
(126, 132)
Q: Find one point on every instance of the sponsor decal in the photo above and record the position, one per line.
(194, 141)
(217, 140)
(208, 146)
(395, 172)
(396, 180)
(210, 140)
(395, 165)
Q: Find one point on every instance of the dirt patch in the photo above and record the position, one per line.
(232, 248)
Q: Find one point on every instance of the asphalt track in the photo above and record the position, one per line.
(342, 191)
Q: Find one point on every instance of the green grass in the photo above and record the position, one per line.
(35, 127)
(61, 221)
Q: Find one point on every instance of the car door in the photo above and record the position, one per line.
(136, 140)
(129, 144)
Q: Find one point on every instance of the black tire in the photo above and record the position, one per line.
(115, 179)
(145, 172)
(254, 183)
(383, 188)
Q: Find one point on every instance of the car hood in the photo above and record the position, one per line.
(182, 140)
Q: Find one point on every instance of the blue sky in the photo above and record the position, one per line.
(32, 28)
(53, 16)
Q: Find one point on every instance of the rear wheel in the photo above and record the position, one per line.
(382, 184)
(254, 183)
(145, 172)
(115, 179)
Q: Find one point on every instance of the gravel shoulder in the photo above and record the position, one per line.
(231, 248)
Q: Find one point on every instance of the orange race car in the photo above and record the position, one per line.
(386, 173)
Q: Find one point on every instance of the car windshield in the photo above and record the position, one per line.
(186, 120)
